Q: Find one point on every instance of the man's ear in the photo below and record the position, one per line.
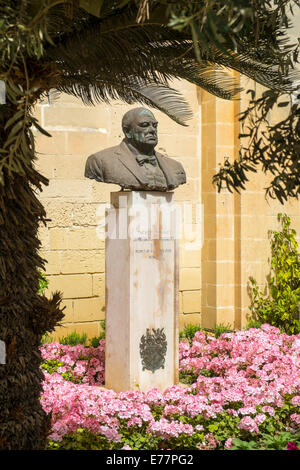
(127, 132)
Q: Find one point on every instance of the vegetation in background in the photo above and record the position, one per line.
(43, 283)
(94, 342)
(74, 338)
(47, 338)
(189, 331)
(280, 307)
(244, 394)
(221, 328)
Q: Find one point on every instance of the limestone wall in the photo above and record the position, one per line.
(213, 280)
(70, 244)
(236, 243)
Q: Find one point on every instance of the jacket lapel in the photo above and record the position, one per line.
(129, 161)
(168, 175)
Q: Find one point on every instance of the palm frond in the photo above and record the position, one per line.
(149, 52)
(158, 96)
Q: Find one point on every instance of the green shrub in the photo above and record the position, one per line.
(280, 306)
(94, 342)
(189, 332)
(47, 338)
(277, 441)
(74, 338)
(43, 282)
(220, 328)
(252, 324)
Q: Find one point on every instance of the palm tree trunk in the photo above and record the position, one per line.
(25, 315)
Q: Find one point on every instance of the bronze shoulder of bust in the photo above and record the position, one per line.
(134, 163)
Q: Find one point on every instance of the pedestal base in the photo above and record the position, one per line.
(141, 292)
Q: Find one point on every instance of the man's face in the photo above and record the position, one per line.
(143, 129)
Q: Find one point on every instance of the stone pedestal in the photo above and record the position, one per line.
(141, 291)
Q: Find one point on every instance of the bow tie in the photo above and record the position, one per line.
(141, 159)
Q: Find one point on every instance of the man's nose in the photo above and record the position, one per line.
(152, 129)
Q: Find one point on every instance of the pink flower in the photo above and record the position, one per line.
(291, 446)
(247, 410)
(199, 427)
(126, 447)
(296, 418)
(228, 443)
(248, 424)
(260, 418)
(269, 410)
(295, 400)
(237, 373)
(210, 440)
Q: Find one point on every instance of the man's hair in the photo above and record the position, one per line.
(128, 117)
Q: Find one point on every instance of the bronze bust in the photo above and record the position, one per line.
(134, 164)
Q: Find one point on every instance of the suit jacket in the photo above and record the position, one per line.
(118, 165)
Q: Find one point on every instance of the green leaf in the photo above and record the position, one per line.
(43, 131)
(14, 118)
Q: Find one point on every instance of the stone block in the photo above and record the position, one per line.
(84, 214)
(209, 295)
(43, 165)
(190, 258)
(58, 238)
(53, 262)
(91, 329)
(82, 261)
(191, 301)
(225, 272)
(189, 279)
(62, 166)
(189, 319)
(188, 191)
(90, 309)
(225, 316)
(225, 249)
(101, 191)
(68, 311)
(225, 296)
(208, 317)
(43, 236)
(59, 212)
(98, 285)
(69, 190)
(191, 166)
(225, 226)
(75, 116)
(209, 272)
(54, 145)
(256, 250)
(85, 238)
(225, 134)
(86, 143)
(224, 112)
(72, 286)
(179, 146)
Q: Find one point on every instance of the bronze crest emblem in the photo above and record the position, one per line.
(153, 347)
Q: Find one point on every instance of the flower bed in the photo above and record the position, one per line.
(243, 392)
